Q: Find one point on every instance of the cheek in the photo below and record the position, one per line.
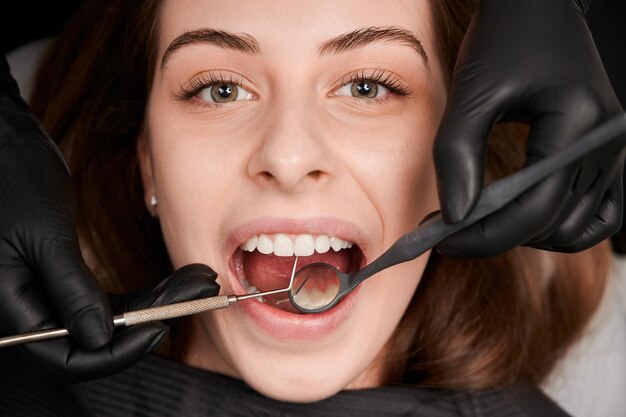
(397, 171)
(192, 184)
(413, 193)
(384, 300)
(386, 296)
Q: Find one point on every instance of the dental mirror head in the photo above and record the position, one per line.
(315, 288)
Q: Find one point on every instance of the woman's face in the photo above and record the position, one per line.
(281, 126)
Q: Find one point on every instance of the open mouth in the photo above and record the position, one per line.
(264, 263)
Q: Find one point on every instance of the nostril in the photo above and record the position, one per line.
(315, 174)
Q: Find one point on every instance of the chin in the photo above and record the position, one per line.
(293, 357)
(297, 390)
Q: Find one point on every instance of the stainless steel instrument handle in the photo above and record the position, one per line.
(170, 311)
(131, 318)
(33, 337)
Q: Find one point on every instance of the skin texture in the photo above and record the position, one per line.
(299, 153)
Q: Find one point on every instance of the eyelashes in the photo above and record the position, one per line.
(390, 82)
(194, 86)
(386, 79)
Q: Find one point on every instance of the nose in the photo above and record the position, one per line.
(292, 154)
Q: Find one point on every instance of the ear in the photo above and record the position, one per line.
(145, 166)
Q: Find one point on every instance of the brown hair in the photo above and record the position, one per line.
(471, 324)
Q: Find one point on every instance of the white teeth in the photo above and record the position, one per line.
(249, 287)
(250, 245)
(264, 244)
(315, 298)
(322, 244)
(304, 245)
(298, 245)
(283, 246)
(336, 244)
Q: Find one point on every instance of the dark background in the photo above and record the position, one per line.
(23, 21)
(607, 21)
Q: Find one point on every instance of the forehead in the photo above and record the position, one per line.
(292, 25)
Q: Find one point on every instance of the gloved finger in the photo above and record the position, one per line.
(64, 359)
(539, 211)
(23, 306)
(29, 311)
(606, 222)
(459, 150)
(555, 130)
(186, 283)
(74, 292)
(574, 225)
(572, 200)
(525, 217)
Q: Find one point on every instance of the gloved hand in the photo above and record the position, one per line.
(530, 61)
(42, 274)
(65, 359)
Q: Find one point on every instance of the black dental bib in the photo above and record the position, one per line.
(159, 387)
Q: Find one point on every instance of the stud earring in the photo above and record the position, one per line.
(153, 204)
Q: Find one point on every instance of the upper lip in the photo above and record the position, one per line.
(316, 226)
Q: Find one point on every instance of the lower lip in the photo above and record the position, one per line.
(285, 326)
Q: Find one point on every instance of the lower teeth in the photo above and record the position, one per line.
(284, 304)
(248, 287)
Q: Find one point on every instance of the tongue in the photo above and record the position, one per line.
(271, 272)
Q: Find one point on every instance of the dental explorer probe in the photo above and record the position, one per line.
(164, 312)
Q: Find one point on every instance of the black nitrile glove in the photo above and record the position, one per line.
(38, 243)
(42, 275)
(530, 61)
(65, 359)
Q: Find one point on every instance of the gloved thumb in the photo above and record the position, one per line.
(186, 283)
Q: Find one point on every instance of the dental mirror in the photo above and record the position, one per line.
(315, 287)
(318, 287)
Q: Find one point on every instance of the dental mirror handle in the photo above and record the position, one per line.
(492, 198)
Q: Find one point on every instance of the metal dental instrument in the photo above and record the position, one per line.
(170, 311)
(306, 294)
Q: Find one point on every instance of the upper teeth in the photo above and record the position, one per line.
(298, 245)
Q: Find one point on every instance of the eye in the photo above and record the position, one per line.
(362, 89)
(372, 86)
(224, 93)
(214, 88)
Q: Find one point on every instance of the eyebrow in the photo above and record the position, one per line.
(245, 43)
(241, 42)
(364, 36)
